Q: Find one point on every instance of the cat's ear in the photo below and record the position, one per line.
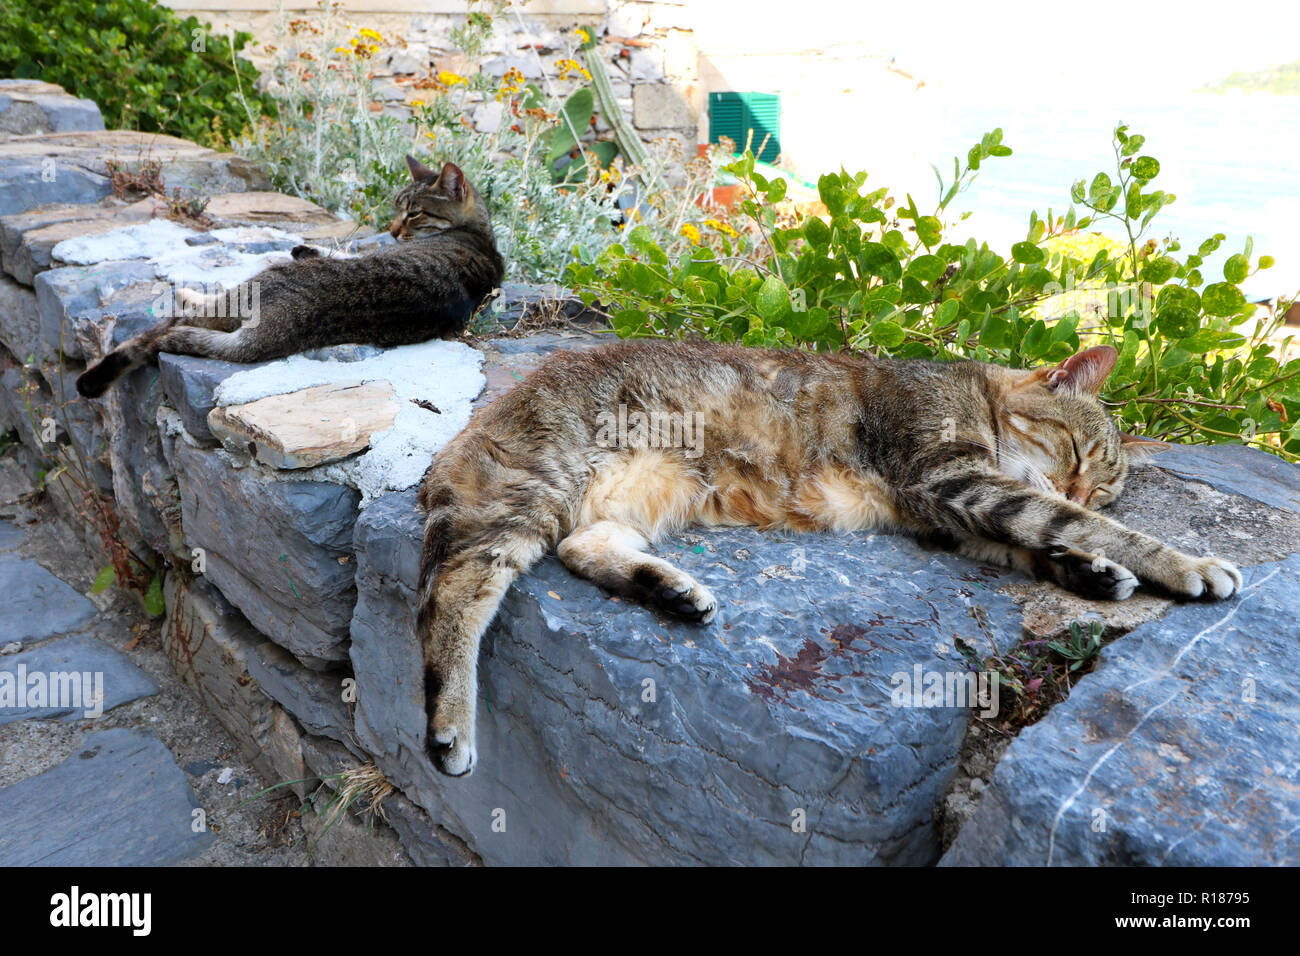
(1084, 372)
(452, 181)
(419, 171)
(1139, 447)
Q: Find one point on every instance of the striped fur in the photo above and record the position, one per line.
(426, 286)
(1004, 465)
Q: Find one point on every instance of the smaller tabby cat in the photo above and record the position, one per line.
(426, 286)
(1004, 465)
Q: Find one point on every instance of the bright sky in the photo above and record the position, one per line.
(1031, 49)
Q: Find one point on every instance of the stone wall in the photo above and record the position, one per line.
(648, 47)
(607, 734)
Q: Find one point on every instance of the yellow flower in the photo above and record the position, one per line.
(567, 66)
(345, 50)
(582, 35)
(691, 233)
(372, 34)
(721, 227)
(431, 135)
(447, 78)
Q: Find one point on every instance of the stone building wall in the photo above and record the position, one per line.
(648, 47)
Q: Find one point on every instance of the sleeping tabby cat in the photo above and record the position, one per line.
(1004, 465)
(426, 286)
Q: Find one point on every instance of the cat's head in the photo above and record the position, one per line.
(436, 202)
(1056, 434)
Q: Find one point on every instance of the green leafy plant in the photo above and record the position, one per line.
(146, 67)
(1082, 647)
(876, 273)
(548, 186)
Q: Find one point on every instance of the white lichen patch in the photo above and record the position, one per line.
(446, 375)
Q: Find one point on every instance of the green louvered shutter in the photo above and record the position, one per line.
(735, 114)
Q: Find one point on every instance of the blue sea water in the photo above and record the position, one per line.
(1233, 161)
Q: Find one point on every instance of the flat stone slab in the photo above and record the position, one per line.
(1238, 470)
(11, 536)
(1178, 750)
(37, 604)
(119, 801)
(32, 106)
(280, 551)
(27, 239)
(75, 678)
(72, 167)
(608, 734)
(309, 427)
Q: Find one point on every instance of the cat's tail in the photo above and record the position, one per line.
(486, 523)
(131, 354)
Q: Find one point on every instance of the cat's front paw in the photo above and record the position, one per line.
(1207, 578)
(1094, 576)
(450, 738)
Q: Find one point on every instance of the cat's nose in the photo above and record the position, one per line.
(395, 230)
(1079, 495)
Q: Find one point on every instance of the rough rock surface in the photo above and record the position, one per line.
(280, 551)
(308, 427)
(29, 107)
(1178, 750)
(104, 670)
(38, 604)
(120, 801)
(771, 737)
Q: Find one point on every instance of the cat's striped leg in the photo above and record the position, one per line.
(612, 555)
(1089, 575)
(971, 497)
(465, 596)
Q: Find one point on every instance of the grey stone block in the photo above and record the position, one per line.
(210, 646)
(33, 106)
(91, 669)
(11, 536)
(314, 699)
(19, 320)
(120, 801)
(1178, 750)
(71, 297)
(38, 605)
(782, 705)
(280, 551)
(1237, 470)
(189, 383)
(27, 183)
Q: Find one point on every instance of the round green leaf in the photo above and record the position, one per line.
(926, 268)
(1222, 299)
(1236, 269)
(773, 299)
(1160, 270)
(888, 334)
(1146, 168)
(878, 259)
(1027, 253)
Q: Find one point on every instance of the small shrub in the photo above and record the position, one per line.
(332, 142)
(147, 68)
(876, 274)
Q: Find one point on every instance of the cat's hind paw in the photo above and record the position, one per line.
(1094, 576)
